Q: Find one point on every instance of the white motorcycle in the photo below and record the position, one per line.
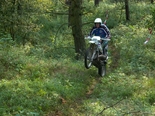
(94, 54)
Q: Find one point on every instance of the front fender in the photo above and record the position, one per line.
(92, 42)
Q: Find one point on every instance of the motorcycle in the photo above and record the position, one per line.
(95, 54)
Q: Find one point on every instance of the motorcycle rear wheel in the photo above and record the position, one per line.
(102, 69)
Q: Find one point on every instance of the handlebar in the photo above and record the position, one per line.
(106, 39)
(87, 37)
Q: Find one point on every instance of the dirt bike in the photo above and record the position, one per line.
(94, 54)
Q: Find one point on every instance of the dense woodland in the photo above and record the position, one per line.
(42, 70)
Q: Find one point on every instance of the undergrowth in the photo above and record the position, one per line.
(46, 80)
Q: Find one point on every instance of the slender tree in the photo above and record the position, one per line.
(96, 2)
(67, 2)
(127, 10)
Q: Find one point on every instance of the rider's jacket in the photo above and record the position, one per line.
(102, 31)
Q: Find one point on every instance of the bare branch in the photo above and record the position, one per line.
(109, 107)
(138, 112)
(58, 31)
(65, 5)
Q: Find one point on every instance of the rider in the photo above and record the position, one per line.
(101, 30)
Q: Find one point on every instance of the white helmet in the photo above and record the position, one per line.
(98, 20)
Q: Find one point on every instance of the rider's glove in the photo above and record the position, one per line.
(89, 37)
(108, 37)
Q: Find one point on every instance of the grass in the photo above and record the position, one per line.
(48, 81)
(33, 84)
(113, 89)
(41, 85)
(36, 86)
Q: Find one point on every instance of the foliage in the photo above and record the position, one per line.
(18, 18)
(44, 79)
(137, 58)
(40, 85)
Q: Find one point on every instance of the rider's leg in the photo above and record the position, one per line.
(106, 50)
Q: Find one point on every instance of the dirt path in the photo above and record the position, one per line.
(92, 86)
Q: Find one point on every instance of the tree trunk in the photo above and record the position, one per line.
(127, 10)
(151, 1)
(67, 2)
(96, 2)
(75, 18)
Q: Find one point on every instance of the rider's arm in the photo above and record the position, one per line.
(106, 29)
(92, 32)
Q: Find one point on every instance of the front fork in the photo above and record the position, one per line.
(95, 51)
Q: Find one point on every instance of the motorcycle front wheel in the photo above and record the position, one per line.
(89, 56)
(102, 69)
